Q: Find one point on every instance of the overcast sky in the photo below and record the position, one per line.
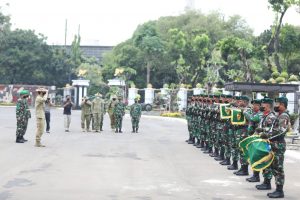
(109, 22)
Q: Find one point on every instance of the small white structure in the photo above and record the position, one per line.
(80, 90)
(149, 95)
(182, 98)
(132, 94)
(197, 91)
(116, 82)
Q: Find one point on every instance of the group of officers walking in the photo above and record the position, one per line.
(91, 110)
(220, 137)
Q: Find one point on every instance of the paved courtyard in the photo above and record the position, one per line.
(155, 164)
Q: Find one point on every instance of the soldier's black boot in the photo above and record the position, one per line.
(215, 154)
(243, 172)
(197, 143)
(221, 156)
(208, 151)
(205, 147)
(192, 141)
(24, 140)
(201, 144)
(19, 140)
(116, 131)
(190, 138)
(278, 193)
(136, 130)
(133, 130)
(266, 185)
(120, 131)
(254, 178)
(225, 162)
(234, 166)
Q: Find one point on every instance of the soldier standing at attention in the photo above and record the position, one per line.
(22, 114)
(188, 117)
(40, 114)
(135, 114)
(111, 107)
(96, 110)
(264, 127)
(119, 112)
(85, 114)
(278, 145)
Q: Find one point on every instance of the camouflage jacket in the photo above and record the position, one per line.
(119, 109)
(266, 122)
(22, 110)
(280, 127)
(136, 110)
(253, 118)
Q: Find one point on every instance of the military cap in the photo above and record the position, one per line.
(245, 98)
(283, 100)
(24, 92)
(211, 96)
(216, 96)
(229, 96)
(256, 101)
(223, 95)
(205, 95)
(267, 100)
(237, 97)
(41, 90)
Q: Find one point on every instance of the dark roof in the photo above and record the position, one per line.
(261, 87)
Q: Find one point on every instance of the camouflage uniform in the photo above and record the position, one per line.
(135, 114)
(188, 116)
(97, 110)
(119, 112)
(22, 114)
(85, 114)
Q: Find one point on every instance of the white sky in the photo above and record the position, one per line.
(109, 22)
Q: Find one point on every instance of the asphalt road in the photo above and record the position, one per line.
(155, 164)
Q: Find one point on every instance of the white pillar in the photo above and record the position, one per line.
(80, 86)
(149, 95)
(132, 94)
(182, 96)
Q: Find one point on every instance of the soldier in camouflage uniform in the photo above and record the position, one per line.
(22, 115)
(119, 112)
(215, 127)
(253, 116)
(85, 114)
(135, 114)
(193, 120)
(241, 133)
(264, 127)
(197, 121)
(97, 111)
(278, 145)
(188, 116)
(227, 134)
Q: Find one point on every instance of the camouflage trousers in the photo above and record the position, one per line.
(276, 167)
(85, 121)
(118, 120)
(135, 122)
(21, 127)
(228, 138)
(189, 124)
(97, 120)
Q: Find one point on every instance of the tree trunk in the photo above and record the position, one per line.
(148, 72)
(249, 77)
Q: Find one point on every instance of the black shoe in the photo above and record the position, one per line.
(253, 179)
(278, 193)
(234, 166)
(266, 185)
(238, 171)
(243, 172)
(24, 140)
(220, 157)
(225, 162)
(197, 143)
(192, 141)
(215, 154)
(120, 131)
(101, 129)
(208, 151)
(116, 131)
(190, 138)
(19, 140)
(136, 130)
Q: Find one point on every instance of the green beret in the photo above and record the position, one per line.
(211, 96)
(229, 96)
(267, 100)
(245, 98)
(237, 97)
(256, 101)
(205, 95)
(24, 92)
(282, 100)
(216, 96)
(223, 95)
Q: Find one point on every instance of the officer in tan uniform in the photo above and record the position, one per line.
(97, 104)
(111, 106)
(40, 114)
(85, 114)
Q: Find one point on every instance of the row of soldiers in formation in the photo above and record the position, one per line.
(220, 138)
(94, 110)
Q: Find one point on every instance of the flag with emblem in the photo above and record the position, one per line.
(237, 117)
(225, 112)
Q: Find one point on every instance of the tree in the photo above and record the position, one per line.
(280, 7)
(148, 41)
